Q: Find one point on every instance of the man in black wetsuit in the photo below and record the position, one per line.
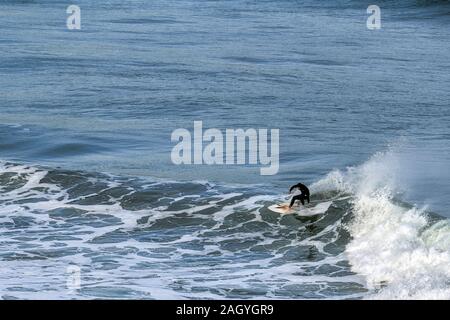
(299, 192)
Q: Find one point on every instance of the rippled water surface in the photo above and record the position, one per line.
(86, 178)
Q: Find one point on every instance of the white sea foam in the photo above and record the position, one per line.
(197, 257)
(400, 254)
(396, 251)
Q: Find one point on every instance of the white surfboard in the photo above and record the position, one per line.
(283, 208)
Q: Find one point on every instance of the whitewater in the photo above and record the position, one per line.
(142, 238)
(403, 252)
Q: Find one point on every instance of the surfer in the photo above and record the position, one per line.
(299, 192)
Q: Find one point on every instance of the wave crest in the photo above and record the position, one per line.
(400, 250)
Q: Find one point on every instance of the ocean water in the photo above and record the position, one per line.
(86, 178)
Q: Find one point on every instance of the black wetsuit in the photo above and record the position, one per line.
(301, 197)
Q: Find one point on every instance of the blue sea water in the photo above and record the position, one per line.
(86, 176)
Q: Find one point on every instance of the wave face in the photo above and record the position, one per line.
(141, 238)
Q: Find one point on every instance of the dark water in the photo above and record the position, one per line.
(90, 114)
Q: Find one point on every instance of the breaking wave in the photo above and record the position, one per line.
(402, 251)
(143, 238)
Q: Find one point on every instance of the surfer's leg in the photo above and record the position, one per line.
(302, 200)
(307, 198)
(293, 200)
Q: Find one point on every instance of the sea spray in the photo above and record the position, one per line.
(399, 250)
